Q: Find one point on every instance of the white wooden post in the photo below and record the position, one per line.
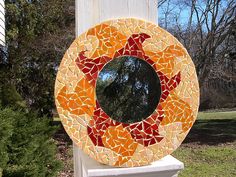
(92, 12)
(88, 14)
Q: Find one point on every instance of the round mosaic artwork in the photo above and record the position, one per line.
(124, 143)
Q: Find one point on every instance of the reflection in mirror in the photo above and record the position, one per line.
(128, 89)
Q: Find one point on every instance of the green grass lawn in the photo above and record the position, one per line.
(217, 115)
(210, 148)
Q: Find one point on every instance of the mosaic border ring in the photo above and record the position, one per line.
(91, 129)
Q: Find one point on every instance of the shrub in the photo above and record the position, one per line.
(29, 150)
(6, 130)
(10, 97)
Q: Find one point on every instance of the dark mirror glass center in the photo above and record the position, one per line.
(128, 89)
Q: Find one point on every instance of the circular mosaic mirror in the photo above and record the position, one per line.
(128, 89)
(127, 92)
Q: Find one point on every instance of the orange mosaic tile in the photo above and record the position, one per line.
(97, 131)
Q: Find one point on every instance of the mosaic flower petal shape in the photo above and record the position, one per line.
(91, 128)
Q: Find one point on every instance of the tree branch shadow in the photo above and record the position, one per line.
(212, 132)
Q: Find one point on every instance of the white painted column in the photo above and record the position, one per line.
(92, 12)
(88, 14)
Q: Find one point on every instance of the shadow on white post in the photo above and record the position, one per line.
(88, 14)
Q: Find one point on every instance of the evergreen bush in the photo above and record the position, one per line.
(9, 97)
(27, 148)
(6, 130)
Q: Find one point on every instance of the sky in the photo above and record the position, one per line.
(173, 10)
(177, 9)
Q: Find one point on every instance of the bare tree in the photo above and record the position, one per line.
(214, 26)
(209, 34)
(161, 2)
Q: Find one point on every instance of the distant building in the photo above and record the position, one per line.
(2, 33)
(2, 22)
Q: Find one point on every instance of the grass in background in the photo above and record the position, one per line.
(207, 161)
(210, 148)
(217, 115)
